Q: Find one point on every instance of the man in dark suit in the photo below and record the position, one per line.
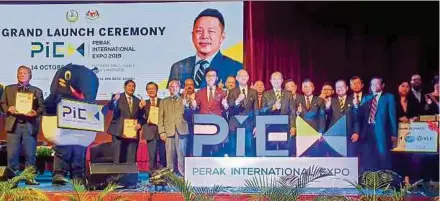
(207, 36)
(290, 85)
(22, 127)
(377, 121)
(417, 94)
(149, 129)
(356, 86)
(125, 106)
(259, 87)
(343, 106)
(277, 101)
(189, 98)
(211, 100)
(242, 100)
(311, 109)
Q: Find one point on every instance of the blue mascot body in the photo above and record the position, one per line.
(77, 83)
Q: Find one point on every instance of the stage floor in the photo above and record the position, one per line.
(146, 191)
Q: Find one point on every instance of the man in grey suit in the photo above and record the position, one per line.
(173, 127)
(22, 129)
(124, 106)
(277, 101)
(242, 100)
(150, 131)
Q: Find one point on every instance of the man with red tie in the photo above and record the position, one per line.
(211, 100)
(377, 120)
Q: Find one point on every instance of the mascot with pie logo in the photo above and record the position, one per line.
(78, 83)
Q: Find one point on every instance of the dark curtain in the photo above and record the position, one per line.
(326, 41)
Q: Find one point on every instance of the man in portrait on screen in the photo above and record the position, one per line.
(22, 129)
(211, 100)
(242, 100)
(207, 36)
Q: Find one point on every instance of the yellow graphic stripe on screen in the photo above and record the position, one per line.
(234, 52)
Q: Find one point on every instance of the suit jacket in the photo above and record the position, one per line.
(419, 105)
(247, 107)
(150, 131)
(8, 99)
(269, 99)
(121, 111)
(171, 117)
(315, 116)
(412, 109)
(385, 118)
(224, 65)
(213, 106)
(335, 113)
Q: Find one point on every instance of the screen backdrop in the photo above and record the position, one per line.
(120, 41)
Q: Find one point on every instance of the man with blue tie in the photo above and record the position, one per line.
(377, 119)
(207, 36)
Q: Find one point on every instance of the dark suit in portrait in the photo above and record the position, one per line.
(376, 132)
(335, 112)
(186, 68)
(314, 115)
(22, 130)
(247, 108)
(269, 100)
(151, 134)
(124, 149)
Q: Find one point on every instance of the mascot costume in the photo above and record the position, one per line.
(77, 83)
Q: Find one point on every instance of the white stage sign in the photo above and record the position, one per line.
(417, 137)
(233, 171)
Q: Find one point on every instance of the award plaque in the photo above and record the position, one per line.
(153, 116)
(24, 102)
(129, 130)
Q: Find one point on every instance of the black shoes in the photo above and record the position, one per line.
(59, 180)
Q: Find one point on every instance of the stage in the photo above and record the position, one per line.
(148, 192)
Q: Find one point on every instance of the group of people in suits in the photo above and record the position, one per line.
(371, 118)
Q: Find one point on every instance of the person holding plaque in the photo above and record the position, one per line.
(125, 124)
(23, 105)
(151, 134)
(173, 127)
